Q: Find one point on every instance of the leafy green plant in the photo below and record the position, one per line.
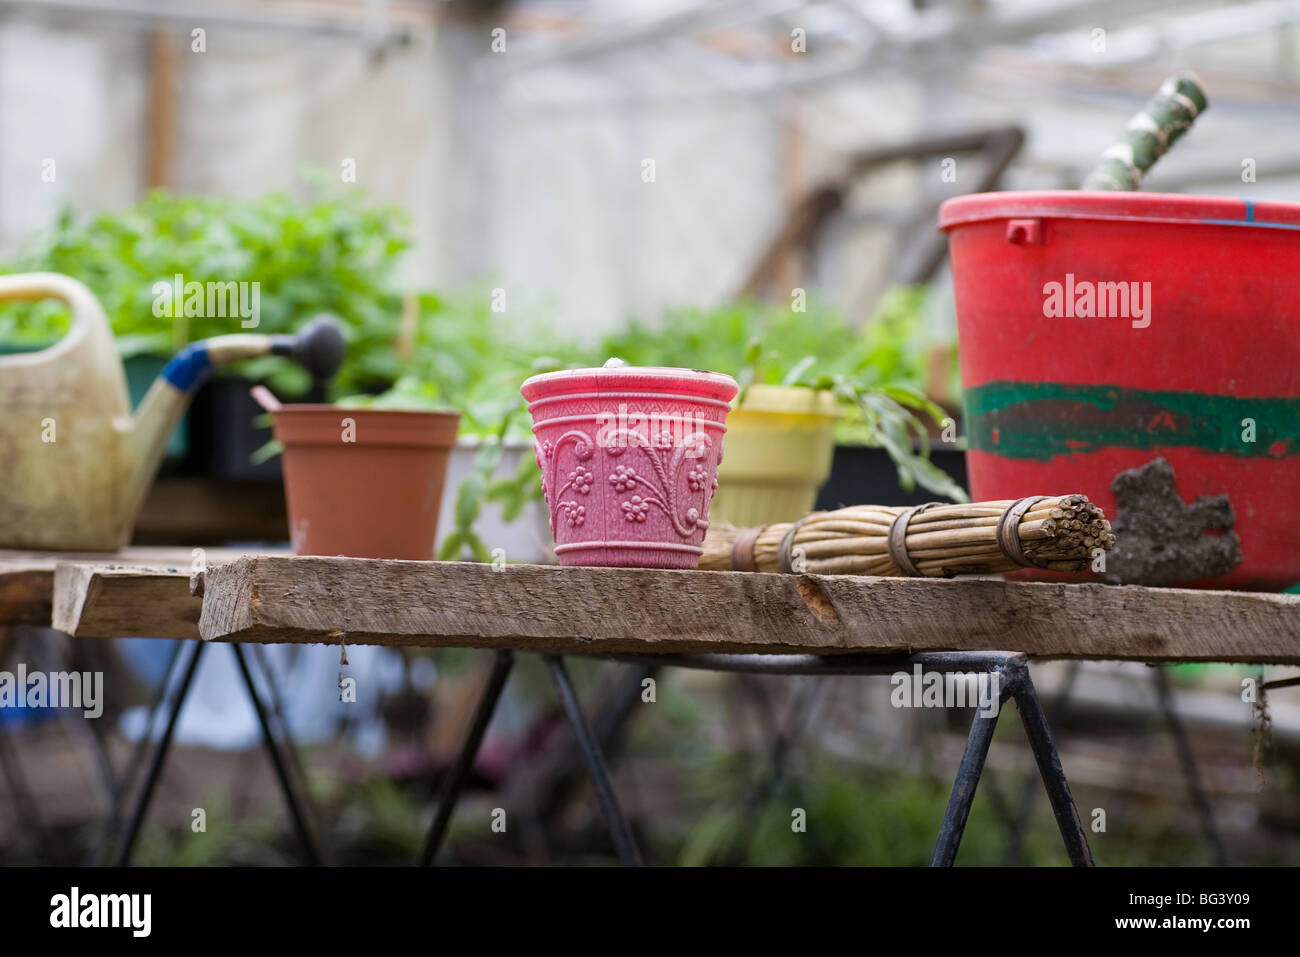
(460, 354)
(891, 346)
(856, 817)
(512, 493)
(876, 373)
(473, 491)
(328, 251)
(891, 415)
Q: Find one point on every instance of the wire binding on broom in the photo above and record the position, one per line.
(1059, 533)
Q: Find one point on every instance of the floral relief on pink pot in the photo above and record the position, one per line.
(629, 458)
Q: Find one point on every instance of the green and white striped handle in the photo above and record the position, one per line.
(1167, 116)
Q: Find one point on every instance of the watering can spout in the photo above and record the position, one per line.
(317, 347)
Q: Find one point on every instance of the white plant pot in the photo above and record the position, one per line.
(527, 538)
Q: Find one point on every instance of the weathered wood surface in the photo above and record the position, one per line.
(25, 594)
(114, 601)
(27, 581)
(549, 608)
(27, 578)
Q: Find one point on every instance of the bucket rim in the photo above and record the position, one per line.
(1121, 206)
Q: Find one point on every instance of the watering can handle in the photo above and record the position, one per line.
(88, 317)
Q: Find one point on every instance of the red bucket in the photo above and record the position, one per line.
(1099, 331)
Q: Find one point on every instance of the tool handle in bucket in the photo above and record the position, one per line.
(1149, 134)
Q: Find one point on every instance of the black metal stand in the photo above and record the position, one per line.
(188, 662)
(593, 755)
(275, 737)
(1017, 821)
(121, 787)
(1014, 683)
(1187, 762)
(619, 830)
(455, 783)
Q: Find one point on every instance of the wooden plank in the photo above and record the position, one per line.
(27, 578)
(112, 601)
(549, 608)
(25, 594)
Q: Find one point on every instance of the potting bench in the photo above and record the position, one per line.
(731, 621)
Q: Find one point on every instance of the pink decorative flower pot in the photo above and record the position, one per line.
(629, 459)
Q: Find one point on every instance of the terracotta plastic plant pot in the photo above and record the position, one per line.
(365, 483)
(780, 442)
(629, 460)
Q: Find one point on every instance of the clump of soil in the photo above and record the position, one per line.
(1160, 539)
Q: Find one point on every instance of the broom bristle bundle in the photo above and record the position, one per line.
(1059, 533)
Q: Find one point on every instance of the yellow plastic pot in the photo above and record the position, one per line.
(777, 455)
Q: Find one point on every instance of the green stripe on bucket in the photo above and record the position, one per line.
(1040, 420)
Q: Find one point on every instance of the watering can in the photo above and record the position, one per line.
(75, 464)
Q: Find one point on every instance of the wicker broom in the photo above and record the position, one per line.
(1058, 533)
